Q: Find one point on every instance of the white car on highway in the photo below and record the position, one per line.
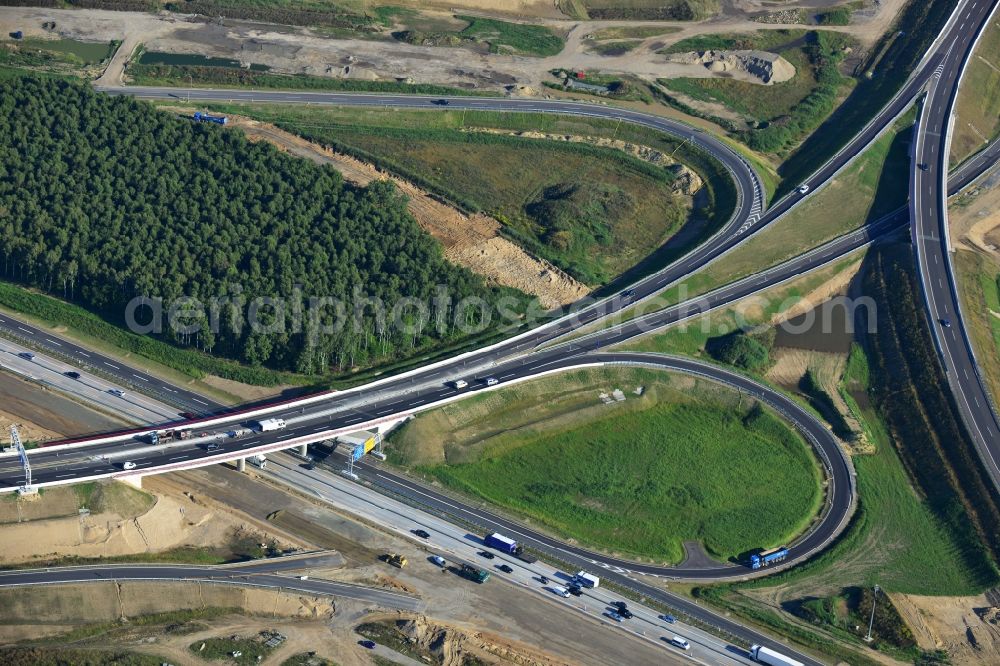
(679, 642)
(128, 465)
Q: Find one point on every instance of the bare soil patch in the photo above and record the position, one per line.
(472, 241)
(968, 628)
(123, 528)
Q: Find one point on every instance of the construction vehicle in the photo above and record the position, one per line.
(474, 573)
(205, 118)
(396, 560)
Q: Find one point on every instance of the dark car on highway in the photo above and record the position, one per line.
(423, 534)
(442, 102)
(575, 590)
(505, 568)
(72, 374)
(487, 554)
(26, 355)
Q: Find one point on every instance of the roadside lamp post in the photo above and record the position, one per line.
(868, 638)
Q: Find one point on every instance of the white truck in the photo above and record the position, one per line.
(770, 657)
(584, 579)
(260, 460)
(270, 425)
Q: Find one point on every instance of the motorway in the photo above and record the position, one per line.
(929, 215)
(400, 396)
(55, 465)
(50, 372)
(265, 573)
(456, 545)
(97, 364)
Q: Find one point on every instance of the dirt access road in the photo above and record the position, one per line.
(304, 50)
(490, 611)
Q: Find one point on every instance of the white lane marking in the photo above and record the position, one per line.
(179, 458)
(110, 365)
(83, 353)
(138, 377)
(200, 402)
(54, 342)
(25, 329)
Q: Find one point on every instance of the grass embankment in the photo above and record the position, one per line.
(619, 477)
(696, 337)
(916, 404)
(778, 115)
(595, 212)
(978, 105)
(978, 278)
(632, 32)
(640, 10)
(221, 75)
(874, 185)
(926, 520)
(43, 656)
(101, 334)
(252, 650)
(880, 76)
(489, 34)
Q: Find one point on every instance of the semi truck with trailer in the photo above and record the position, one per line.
(768, 557)
(505, 544)
(270, 425)
(206, 118)
(768, 656)
(585, 579)
(260, 460)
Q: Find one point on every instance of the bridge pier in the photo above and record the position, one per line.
(241, 464)
(304, 450)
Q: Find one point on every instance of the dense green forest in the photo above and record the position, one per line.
(103, 199)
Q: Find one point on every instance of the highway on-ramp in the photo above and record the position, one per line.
(54, 465)
(265, 573)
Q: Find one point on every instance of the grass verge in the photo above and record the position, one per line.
(618, 476)
(978, 105)
(779, 114)
(594, 212)
(881, 75)
(874, 185)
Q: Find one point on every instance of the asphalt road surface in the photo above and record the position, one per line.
(54, 465)
(456, 545)
(259, 573)
(929, 214)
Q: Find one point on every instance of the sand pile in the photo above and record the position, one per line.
(759, 66)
